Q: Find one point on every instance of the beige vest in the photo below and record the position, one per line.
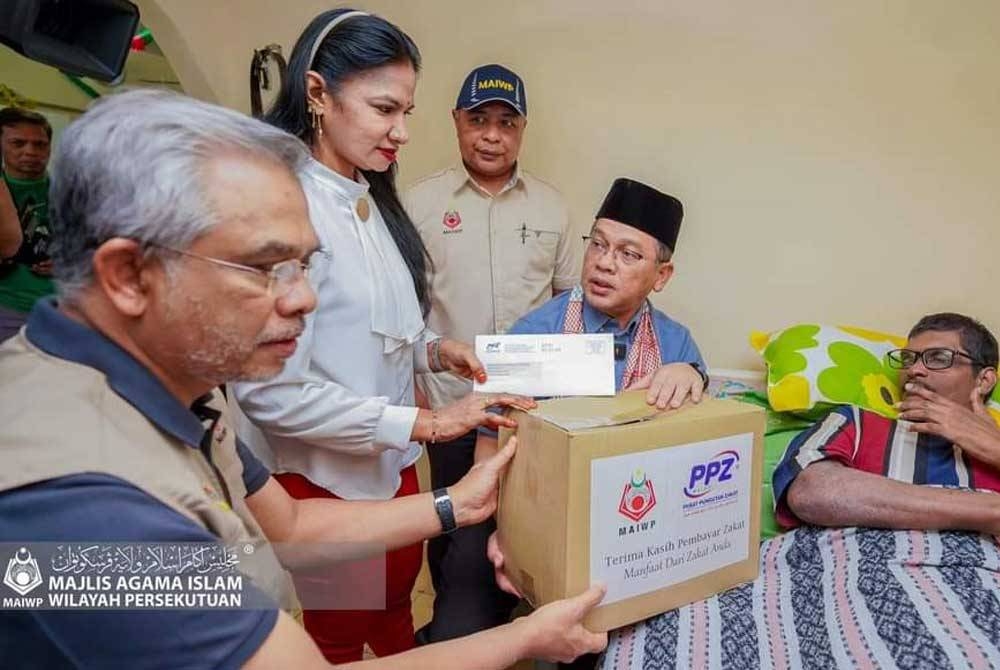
(61, 418)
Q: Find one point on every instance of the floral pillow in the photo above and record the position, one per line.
(811, 367)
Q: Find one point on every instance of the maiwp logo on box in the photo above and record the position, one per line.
(717, 470)
(638, 497)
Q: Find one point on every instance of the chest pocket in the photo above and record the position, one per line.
(538, 246)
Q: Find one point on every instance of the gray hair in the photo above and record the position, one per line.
(133, 166)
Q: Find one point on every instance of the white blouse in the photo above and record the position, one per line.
(342, 410)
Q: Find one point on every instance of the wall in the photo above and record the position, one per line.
(837, 161)
(48, 89)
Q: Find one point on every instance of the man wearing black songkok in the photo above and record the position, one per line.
(629, 255)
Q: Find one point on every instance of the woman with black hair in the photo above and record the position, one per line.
(340, 421)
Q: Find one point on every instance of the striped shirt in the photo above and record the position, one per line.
(872, 443)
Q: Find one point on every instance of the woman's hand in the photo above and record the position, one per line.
(458, 418)
(459, 358)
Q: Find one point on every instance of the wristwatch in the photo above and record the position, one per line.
(445, 511)
(702, 374)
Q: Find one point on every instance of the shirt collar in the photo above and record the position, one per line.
(595, 320)
(41, 181)
(348, 188)
(463, 178)
(58, 335)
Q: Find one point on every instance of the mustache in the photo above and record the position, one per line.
(285, 334)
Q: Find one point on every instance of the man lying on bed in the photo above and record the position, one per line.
(857, 468)
(879, 572)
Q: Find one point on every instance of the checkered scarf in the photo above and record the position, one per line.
(643, 355)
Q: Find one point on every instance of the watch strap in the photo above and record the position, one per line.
(702, 374)
(445, 510)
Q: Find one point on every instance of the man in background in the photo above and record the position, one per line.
(499, 241)
(25, 275)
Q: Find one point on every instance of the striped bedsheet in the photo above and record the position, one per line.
(837, 598)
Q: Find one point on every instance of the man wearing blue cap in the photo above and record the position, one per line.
(499, 241)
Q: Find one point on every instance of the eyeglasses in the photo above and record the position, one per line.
(281, 277)
(599, 247)
(936, 358)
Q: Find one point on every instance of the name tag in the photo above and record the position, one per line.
(547, 365)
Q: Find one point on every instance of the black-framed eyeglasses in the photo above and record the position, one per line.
(935, 358)
(598, 246)
(281, 277)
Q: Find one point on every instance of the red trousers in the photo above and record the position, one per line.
(342, 634)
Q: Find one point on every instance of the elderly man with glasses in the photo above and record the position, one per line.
(857, 468)
(182, 245)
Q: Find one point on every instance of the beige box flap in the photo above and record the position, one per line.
(574, 414)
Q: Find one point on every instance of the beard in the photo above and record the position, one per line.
(210, 343)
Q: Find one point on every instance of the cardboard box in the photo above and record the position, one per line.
(663, 507)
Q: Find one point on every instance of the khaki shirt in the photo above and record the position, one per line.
(496, 258)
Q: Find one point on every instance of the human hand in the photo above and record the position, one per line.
(474, 497)
(970, 427)
(671, 385)
(556, 631)
(43, 268)
(496, 557)
(460, 359)
(458, 418)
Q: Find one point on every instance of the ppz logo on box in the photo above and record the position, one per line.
(704, 477)
(638, 497)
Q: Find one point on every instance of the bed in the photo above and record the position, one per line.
(831, 598)
(837, 598)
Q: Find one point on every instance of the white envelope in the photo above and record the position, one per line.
(547, 365)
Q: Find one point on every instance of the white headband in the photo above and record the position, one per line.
(326, 31)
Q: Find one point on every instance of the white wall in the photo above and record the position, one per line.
(837, 161)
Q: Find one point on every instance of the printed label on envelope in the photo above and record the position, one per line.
(547, 365)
